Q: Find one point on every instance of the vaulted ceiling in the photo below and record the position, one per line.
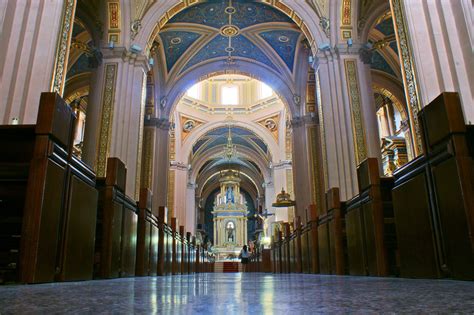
(219, 29)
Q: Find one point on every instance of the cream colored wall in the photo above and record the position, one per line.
(29, 33)
(441, 36)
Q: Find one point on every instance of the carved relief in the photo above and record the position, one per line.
(408, 72)
(271, 124)
(106, 118)
(356, 111)
(114, 22)
(63, 46)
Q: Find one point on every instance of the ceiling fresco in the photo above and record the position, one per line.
(240, 137)
(239, 30)
(382, 36)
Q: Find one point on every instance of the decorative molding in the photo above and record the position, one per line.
(170, 199)
(315, 165)
(277, 4)
(62, 48)
(322, 132)
(271, 124)
(106, 118)
(346, 19)
(408, 72)
(140, 138)
(356, 110)
(114, 22)
(291, 191)
(311, 92)
(282, 164)
(179, 166)
(147, 169)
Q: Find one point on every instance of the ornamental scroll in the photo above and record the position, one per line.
(62, 49)
(408, 72)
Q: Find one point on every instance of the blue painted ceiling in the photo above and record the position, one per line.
(379, 61)
(240, 137)
(265, 35)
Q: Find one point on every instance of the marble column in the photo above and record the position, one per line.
(28, 46)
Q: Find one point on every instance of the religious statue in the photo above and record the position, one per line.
(230, 195)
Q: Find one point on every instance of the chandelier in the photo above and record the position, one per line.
(230, 149)
(283, 200)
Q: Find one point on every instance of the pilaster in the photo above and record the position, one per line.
(28, 50)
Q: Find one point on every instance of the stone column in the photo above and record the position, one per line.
(161, 162)
(440, 37)
(339, 157)
(28, 51)
(190, 214)
(115, 123)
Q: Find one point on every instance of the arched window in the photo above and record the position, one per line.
(230, 95)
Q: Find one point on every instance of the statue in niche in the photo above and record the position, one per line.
(230, 195)
(230, 232)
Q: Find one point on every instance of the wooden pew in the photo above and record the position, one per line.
(313, 241)
(161, 241)
(331, 235)
(434, 198)
(47, 195)
(147, 235)
(174, 247)
(297, 246)
(183, 264)
(189, 253)
(117, 224)
(369, 224)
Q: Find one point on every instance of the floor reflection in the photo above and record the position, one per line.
(237, 293)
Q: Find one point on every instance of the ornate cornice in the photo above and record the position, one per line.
(159, 123)
(282, 164)
(300, 121)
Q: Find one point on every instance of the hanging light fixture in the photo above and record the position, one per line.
(283, 200)
(230, 149)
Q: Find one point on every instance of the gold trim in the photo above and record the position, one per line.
(170, 201)
(106, 118)
(322, 131)
(62, 48)
(291, 191)
(276, 4)
(138, 173)
(356, 111)
(147, 169)
(315, 165)
(408, 72)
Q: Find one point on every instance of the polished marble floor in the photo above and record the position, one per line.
(237, 293)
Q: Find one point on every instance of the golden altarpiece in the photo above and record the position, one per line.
(230, 217)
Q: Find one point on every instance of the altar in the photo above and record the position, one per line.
(230, 217)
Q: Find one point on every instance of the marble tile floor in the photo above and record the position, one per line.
(237, 293)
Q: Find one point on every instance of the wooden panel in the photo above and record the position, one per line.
(129, 242)
(154, 250)
(116, 174)
(369, 238)
(442, 117)
(50, 218)
(324, 249)
(454, 223)
(55, 117)
(305, 257)
(355, 243)
(78, 252)
(147, 248)
(414, 230)
(116, 240)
